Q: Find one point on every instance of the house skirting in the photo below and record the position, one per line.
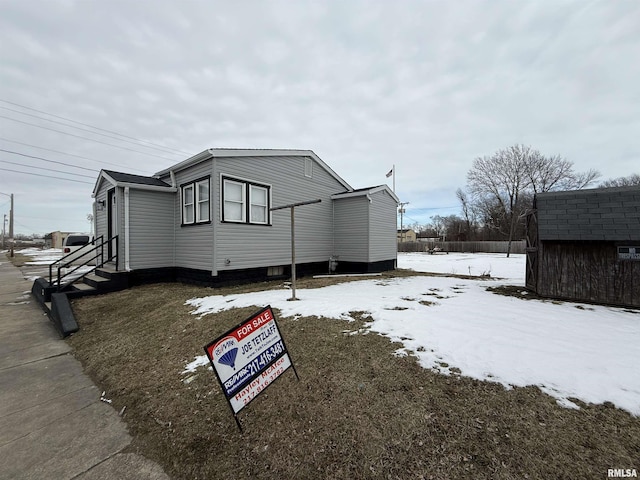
(250, 275)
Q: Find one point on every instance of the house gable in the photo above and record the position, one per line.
(119, 179)
(244, 153)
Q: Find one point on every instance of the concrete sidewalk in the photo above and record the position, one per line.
(52, 422)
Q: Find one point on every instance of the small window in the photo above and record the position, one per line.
(187, 204)
(203, 201)
(258, 204)
(275, 271)
(308, 167)
(245, 202)
(196, 202)
(234, 205)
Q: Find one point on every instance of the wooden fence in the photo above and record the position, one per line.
(470, 247)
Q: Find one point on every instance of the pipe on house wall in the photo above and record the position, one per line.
(126, 229)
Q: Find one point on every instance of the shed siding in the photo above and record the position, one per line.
(587, 271)
(240, 246)
(383, 243)
(351, 229)
(193, 243)
(151, 229)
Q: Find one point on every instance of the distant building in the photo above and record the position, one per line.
(406, 235)
(55, 239)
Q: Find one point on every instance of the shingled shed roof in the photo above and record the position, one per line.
(605, 214)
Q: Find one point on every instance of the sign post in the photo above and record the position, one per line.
(292, 206)
(248, 358)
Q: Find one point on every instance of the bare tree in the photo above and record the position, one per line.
(555, 173)
(629, 181)
(503, 185)
(468, 213)
(502, 177)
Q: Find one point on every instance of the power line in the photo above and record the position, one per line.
(86, 138)
(91, 126)
(43, 168)
(47, 160)
(86, 130)
(47, 176)
(70, 154)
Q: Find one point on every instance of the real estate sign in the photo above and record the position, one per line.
(248, 358)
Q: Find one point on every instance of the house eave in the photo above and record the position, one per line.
(363, 192)
(138, 186)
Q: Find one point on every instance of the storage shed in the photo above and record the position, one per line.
(584, 245)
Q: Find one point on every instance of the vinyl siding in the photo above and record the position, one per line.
(151, 229)
(382, 227)
(351, 229)
(248, 246)
(101, 215)
(193, 243)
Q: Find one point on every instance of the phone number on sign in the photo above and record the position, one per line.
(263, 381)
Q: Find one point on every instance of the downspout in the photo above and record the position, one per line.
(369, 228)
(213, 197)
(178, 201)
(333, 228)
(126, 229)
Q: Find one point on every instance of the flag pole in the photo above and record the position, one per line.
(394, 178)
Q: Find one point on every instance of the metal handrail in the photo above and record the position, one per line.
(98, 255)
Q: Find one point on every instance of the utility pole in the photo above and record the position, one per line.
(10, 223)
(4, 229)
(11, 240)
(401, 210)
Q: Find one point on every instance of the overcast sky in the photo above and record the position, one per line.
(427, 86)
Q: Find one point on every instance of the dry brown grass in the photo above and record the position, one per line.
(358, 411)
(18, 259)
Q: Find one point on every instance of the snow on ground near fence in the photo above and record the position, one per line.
(569, 350)
(497, 265)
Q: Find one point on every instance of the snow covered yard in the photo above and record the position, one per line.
(455, 326)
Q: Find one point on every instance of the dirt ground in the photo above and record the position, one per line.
(358, 411)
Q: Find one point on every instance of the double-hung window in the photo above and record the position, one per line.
(245, 202)
(196, 202)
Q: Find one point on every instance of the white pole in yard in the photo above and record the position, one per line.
(292, 206)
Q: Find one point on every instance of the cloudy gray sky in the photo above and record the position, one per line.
(427, 86)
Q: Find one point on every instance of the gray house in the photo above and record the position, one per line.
(208, 219)
(584, 245)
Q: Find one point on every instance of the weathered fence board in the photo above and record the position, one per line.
(471, 247)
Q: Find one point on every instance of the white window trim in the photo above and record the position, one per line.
(196, 202)
(185, 204)
(243, 210)
(246, 210)
(252, 203)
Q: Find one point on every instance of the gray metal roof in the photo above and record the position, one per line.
(605, 214)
